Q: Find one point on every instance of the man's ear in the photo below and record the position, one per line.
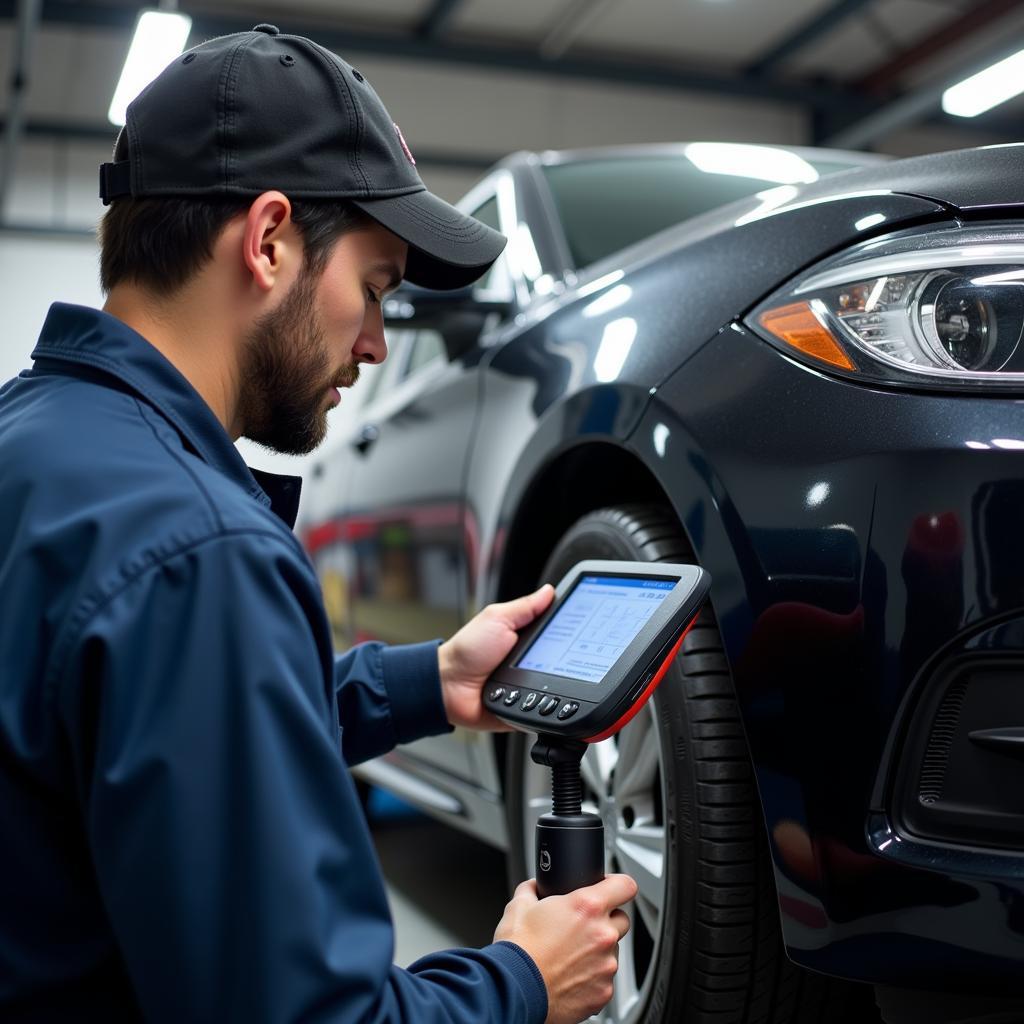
(269, 241)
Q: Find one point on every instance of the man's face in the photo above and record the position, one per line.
(299, 354)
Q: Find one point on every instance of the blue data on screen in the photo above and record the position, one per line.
(598, 621)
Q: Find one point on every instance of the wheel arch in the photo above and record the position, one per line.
(599, 472)
(581, 479)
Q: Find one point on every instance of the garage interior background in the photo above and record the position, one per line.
(471, 80)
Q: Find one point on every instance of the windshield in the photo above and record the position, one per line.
(609, 202)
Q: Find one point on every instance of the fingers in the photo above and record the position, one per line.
(620, 919)
(490, 723)
(523, 610)
(614, 890)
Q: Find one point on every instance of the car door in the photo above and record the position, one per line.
(406, 522)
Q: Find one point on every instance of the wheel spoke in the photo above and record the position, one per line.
(641, 853)
(634, 736)
(626, 992)
(649, 914)
(638, 778)
(638, 763)
(598, 764)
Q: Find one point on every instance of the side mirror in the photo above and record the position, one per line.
(457, 315)
(411, 306)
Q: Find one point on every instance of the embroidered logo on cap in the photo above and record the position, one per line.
(405, 146)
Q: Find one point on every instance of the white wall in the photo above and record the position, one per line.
(35, 271)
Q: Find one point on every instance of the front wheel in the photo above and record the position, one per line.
(676, 792)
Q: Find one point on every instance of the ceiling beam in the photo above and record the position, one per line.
(639, 72)
(818, 25)
(947, 36)
(104, 133)
(435, 22)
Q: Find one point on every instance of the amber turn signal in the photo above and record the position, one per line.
(797, 325)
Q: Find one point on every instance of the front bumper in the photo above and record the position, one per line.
(861, 549)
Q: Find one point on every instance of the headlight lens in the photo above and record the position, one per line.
(937, 308)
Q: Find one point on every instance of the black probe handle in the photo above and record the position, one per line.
(570, 853)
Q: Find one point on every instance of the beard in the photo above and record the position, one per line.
(286, 372)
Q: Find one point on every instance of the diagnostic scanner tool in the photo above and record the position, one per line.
(586, 666)
(577, 675)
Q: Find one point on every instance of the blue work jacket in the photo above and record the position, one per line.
(180, 839)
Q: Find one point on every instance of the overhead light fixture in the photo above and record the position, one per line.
(159, 37)
(986, 89)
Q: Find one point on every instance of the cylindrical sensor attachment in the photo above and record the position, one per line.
(570, 853)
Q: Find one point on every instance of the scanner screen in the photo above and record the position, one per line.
(595, 624)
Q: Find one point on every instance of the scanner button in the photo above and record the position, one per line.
(511, 698)
(496, 693)
(529, 701)
(568, 709)
(549, 705)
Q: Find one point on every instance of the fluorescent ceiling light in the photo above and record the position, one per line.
(159, 37)
(986, 89)
(762, 162)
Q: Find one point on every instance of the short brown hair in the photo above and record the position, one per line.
(160, 243)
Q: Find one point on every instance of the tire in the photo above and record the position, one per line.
(705, 945)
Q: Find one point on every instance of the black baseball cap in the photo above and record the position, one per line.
(245, 113)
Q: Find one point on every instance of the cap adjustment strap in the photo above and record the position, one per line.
(115, 181)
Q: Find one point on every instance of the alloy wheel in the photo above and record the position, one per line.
(623, 783)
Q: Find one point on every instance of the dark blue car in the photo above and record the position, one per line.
(812, 386)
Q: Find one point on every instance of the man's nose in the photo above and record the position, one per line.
(371, 346)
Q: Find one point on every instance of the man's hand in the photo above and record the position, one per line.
(477, 650)
(573, 940)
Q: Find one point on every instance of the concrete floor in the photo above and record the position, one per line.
(445, 888)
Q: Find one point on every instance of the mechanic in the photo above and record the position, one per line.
(182, 839)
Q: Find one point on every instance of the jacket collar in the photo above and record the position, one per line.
(78, 335)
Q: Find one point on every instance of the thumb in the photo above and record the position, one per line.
(526, 891)
(523, 610)
(614, 890)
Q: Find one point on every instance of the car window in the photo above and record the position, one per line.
(606, 204)
(496, 281)
(370, 377)
(373, 378)
(427, 348)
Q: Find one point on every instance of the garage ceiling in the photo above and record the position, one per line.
(845, 62)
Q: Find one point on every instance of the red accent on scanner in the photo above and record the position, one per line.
(651, 687)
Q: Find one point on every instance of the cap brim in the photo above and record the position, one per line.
(447, 248)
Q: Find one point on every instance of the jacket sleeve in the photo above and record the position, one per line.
(227, 840)
(387, 695)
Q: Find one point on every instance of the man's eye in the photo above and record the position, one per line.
(372, 296)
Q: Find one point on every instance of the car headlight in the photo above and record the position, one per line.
(937, 307)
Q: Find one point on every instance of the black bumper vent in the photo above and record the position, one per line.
(955, 787)
(936, 757)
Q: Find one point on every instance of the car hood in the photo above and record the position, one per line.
(691, 280)
(968, 180)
